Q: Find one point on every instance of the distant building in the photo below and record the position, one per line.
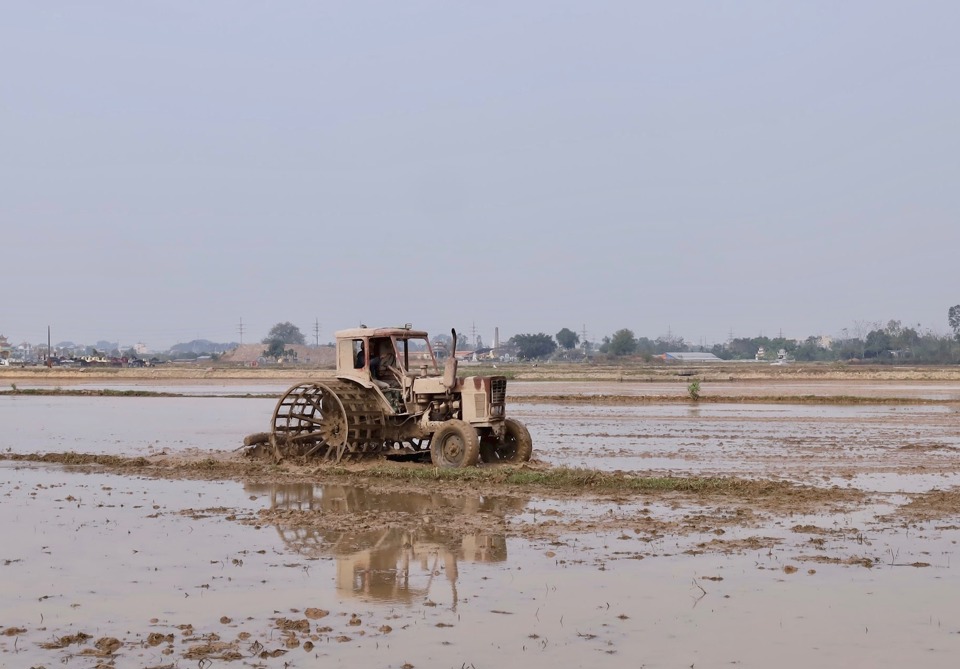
(5, 348)
(691, 357)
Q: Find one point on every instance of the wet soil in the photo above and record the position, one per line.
(658, 533)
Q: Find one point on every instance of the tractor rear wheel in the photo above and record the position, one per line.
(455, 444)
(334, 420)
(516, 445)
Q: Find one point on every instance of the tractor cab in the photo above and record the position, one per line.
(388, 359)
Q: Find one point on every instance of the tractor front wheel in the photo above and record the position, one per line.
(455, 444)
(516, 446)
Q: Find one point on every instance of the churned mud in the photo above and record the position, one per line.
(791, 534)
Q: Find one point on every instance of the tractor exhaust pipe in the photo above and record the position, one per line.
(450, 364)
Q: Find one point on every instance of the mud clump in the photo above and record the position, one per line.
(67, 640)
(302, 625)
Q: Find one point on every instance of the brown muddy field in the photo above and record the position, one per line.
(788, 522)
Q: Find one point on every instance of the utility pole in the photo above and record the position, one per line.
(240, 330)
(316, 331)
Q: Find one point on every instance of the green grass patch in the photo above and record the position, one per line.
(565, 478)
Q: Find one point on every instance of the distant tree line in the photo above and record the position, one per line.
(874, 342)
(891, 343)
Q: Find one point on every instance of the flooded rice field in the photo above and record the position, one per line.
(195, 566)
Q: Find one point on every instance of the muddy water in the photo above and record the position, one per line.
(809, 443)
(128, 425)
(927, 390)
(201, 387)
(126, 558)
(917, 390)
(227, 571)
(887, 447)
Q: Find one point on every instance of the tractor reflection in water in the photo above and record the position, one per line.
(397, 563)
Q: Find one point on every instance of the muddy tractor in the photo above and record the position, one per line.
(390, 398)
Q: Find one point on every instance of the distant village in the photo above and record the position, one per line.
(111, 354)
(69, 354)
(871, 342)
(106, 354)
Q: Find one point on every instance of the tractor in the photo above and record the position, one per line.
(390, 398)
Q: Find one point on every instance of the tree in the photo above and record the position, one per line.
(285, 333)
(877, 344)
(567, 338)
(953, 317)
(669, 343)
(276, 349)
(622, 343)
(530, 346)
(809, 350)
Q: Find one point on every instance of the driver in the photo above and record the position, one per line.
(384, 363)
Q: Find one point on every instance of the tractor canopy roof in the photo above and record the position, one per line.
(359, 333)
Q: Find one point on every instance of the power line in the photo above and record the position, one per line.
(240, 330)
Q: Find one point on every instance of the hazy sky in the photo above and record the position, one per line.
(168, 168)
